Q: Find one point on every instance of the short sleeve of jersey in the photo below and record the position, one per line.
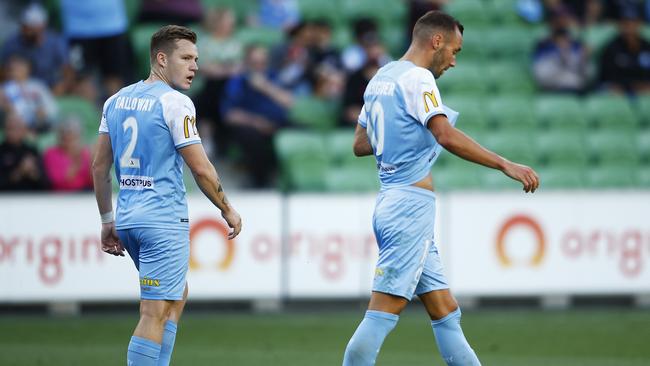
(103, 125)
(421, 95)
(180, 117)
(363, 117)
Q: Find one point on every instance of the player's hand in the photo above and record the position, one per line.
(111, 243)
(234, 221)
(524, 174)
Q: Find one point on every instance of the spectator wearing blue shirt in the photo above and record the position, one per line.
(46, 51)
(255, 108)
(97, 31)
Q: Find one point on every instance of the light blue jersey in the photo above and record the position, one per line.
(398, 103)
(147, 124)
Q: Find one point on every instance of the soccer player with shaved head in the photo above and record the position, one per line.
(147, 130)
(405, 124)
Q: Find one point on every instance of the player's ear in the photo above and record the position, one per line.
(161, 59)
(437, 41)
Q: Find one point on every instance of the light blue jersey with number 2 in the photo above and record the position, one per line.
(147, 124)
(398, 103)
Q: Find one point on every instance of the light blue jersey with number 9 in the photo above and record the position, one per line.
(398, 103)
(147, 124)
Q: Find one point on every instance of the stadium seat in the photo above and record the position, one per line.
(469, 12)
(612, 176)
(474, 48)
(302, 159)
(507, 77)
(242, 8)
(314, 113)
(385, 11)
(339, 145)
(394, 37)
(613, 146)
(491, 179)
(306, 172)
(465, 79)
(291, 142)
(515, 145)
(562, 177)
(351, 179)
(473, 118)
(318, 9)
(557, 148)
(643, 176)
(503, 12)
(560, 112)
(642, 107)
(86, 112)
(456, 174)
(610, 111)
(597, 36)
(510, 112)
(141, 39)
(643, 144)
(266, 37)
(511, 43)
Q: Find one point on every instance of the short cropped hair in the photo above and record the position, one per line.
(164, 40)
(435, 20)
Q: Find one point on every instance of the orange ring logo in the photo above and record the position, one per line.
(211, 224)
(526, 221)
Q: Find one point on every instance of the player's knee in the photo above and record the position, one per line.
(442, 309)
(156, 311)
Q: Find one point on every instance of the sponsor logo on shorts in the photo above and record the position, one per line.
(136, 182)
(148, 282)
(379, 272)
(387, 168)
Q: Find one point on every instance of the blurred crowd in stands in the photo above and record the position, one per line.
(61, 54)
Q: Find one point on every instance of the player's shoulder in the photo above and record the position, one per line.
(414, 75)
(172, 98)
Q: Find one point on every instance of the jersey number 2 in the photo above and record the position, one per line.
(127, 160)
(376, 128)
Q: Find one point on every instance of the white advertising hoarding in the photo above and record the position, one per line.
(49, 250)
(331, 245)
(548, 243)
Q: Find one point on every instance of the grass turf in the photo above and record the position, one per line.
(520, 337)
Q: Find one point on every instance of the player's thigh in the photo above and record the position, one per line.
(164, 259)
(433, 275)
(403, 224)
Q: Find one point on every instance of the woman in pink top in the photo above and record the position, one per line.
(68, 163)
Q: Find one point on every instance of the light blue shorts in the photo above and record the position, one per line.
(161, 257)
(408, 261)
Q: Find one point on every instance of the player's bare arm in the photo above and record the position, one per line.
(458, 143)
(102, 183)
(208, 181)
(361, 145)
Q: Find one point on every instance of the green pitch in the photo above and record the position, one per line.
(519, 337)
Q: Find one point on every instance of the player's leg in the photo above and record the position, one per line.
(402, 249)
(444, 313)
(171, 326)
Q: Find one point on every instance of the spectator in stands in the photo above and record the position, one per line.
(181, 12)
(67, 164)
(278, 14)
(28, 97)
(621, 9)
(561, 62)
(221, 56)
(255, 107)
(625, 61)
(46, 51)
(97, 30)
(356, 85)
(366, 35)
(20, 164)
(323, 52)
(292, 59)
(586, 12)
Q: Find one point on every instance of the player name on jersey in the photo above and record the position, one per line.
(381, 88)
(135, 104)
